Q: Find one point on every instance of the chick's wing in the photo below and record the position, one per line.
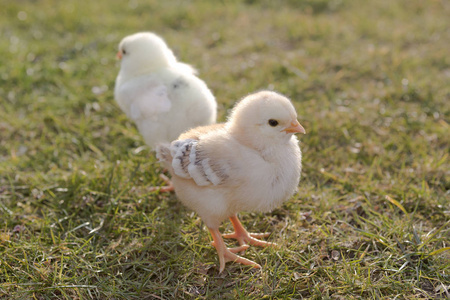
(200, 160)
(146, 100)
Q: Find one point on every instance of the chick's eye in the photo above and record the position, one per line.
(124, 52)
(273, 122)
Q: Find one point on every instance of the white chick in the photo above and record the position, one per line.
(161, 95)
(250, 163)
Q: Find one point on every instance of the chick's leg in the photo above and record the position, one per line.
(164, 189)
(244, 237)
(228, 254)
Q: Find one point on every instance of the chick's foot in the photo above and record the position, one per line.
(228, 254)
(164, 189)
(244, 237)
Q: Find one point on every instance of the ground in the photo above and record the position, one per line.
(370, 81)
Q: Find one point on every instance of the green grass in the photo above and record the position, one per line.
(370, 81)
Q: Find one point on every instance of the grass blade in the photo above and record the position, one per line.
(396, 203)
(436, 252)
(433, 235)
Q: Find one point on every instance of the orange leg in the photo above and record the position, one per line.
(244, 237)
(228, 254)
(163, 189)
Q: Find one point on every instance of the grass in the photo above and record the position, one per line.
(370, 81)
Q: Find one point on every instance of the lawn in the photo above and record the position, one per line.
(370, 81)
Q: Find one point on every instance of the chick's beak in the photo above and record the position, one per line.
(119, 55)
(295, 127)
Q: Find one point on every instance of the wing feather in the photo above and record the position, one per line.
(191, 161)
(145, 100)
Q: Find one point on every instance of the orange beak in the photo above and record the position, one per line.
(295, 128)
(119, 55)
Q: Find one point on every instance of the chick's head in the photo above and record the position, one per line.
(144, 51)
(264, 118)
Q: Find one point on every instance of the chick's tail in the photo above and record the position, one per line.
(164, 155)
(163, 152)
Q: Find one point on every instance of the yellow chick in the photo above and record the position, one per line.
(250, 163)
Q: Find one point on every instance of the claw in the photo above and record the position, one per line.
(244, 237)
(235, 249)
(227, 254)
(163, 189)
